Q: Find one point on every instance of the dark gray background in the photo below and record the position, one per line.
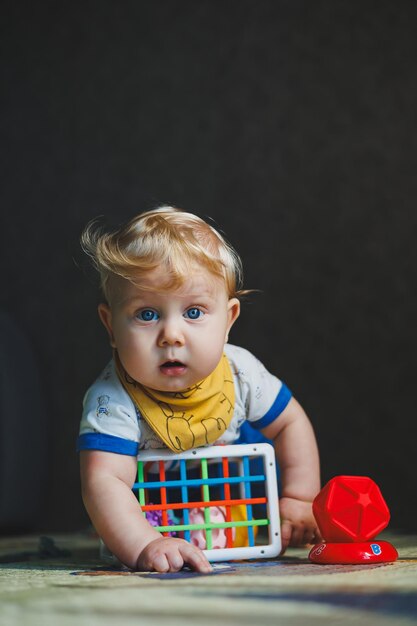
(292, 124)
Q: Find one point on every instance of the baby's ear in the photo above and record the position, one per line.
(104, 313)
(233, 312)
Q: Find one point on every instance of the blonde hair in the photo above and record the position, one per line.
(164, 236)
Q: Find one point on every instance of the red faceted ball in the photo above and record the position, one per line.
(350, 509)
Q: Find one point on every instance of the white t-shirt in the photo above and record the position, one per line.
(111, 422)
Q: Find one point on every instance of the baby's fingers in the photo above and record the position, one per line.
(312, 536)
(160, 564)
(286, 530)
(195, 558)
(297, 535)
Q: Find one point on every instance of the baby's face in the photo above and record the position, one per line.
(170, 340)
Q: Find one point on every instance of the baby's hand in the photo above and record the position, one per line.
(298, 526)
(167, 554)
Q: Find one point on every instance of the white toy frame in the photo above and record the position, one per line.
(235, 461)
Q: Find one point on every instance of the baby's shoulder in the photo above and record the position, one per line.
(241, 360)
(107, 385)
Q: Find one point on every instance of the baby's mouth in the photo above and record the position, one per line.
(172, 368)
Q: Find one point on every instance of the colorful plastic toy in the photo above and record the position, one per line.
(350, 511)
(217, 514)
(154, 517)
(219, 538)
(211, 494)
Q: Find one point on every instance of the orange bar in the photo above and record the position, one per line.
(229, 534)
(202, 505)
(163, 506)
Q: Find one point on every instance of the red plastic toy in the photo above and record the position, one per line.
(354, 553)
(350, 511)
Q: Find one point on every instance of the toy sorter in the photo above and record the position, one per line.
(218, 498)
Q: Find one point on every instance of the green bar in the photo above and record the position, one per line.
(204, 476)
(210, 527)
(206, 498)
(141, 492)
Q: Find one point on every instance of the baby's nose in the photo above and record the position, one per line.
(171, 334)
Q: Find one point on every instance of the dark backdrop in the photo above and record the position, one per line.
(292, 124)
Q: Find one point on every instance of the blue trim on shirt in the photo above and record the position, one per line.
(107, 443)
(281, 401)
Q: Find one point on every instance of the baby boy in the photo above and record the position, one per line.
(172, 287)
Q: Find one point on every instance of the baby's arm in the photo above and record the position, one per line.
(298, 457)
(107, 481)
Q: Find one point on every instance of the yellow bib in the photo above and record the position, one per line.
(195, 417)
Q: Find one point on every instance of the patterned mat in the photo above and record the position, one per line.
(60, 580)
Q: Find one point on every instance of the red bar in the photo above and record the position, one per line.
(163, 506)
(229, 534)
(201, 505)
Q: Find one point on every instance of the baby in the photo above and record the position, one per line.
(172, 286)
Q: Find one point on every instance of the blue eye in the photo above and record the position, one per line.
(147, 315)
(193, 313)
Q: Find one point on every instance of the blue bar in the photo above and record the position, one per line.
(184, 494)
(248, 495)
(198, 482)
